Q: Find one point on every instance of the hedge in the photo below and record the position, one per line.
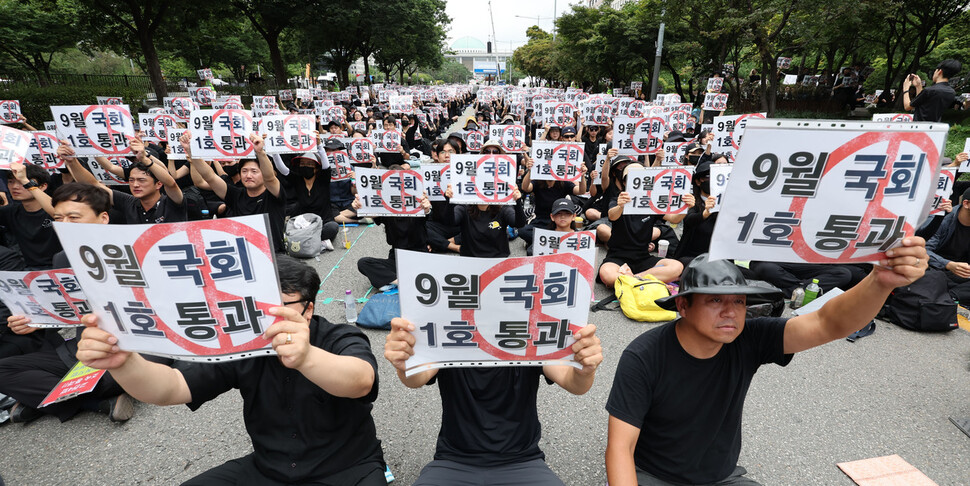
(35, 102)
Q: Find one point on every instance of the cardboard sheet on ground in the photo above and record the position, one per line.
(221, 134)
(470, 312)
(50, 298)
(550, 242)
(196, 291)
(885, 471)
(482, 179)
(823, 192)
(658, 190)
(389, 192)
(556, 161)
(95, 129)
(79, 380)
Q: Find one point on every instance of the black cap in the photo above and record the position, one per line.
(676, 136)
(568, 131)
(563, 204)
(716, 277)
(693, 146)
(703, 168)
(334, 144)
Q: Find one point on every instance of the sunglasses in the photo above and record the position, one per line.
(491, 151)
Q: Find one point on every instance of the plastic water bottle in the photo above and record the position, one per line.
(205, 214)
(811, 292)
(797, 297)
(350, 305)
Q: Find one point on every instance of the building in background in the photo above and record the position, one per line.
(479, 57)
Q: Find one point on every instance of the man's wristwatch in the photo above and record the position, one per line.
(31, 185)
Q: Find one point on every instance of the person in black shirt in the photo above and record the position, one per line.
(146, 203)
(31, 377)
(307, 410)
(545, 192)
(441, 233)
(261, 191)
(310, 183)
(405, 233)
(949, 249)
(676, 402)
(482, 226)
(28, 217)
(930, 103)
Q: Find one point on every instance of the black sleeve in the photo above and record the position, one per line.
(632, 390)
(346, 340)
(207, 381)
(122, 200)
(517, 218)
(767, 334)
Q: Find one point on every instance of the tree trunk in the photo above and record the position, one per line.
(276, 57)
(154, 68)
(366, 69)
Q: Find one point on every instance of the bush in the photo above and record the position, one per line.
(35, 102)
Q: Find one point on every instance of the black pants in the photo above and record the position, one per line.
(528, 232)
(330, 230)
(958, 287)
(789, 276)
(438, 234)
(30, 378)
(15, 344)
(243, 471)
(380, 271)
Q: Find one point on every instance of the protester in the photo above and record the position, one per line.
(949, 249)
(28, 217)
(683, 425)
(404, 233)
(930, 103)
(307, 410)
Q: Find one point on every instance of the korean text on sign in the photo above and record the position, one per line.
(483, 179)
(288, 134)
(389, 192)
(221, 134)
(815, 192)
(9, 111)
(95, 129)
(549, 242)
(197, 291)
(658, 190)
(494, 311)
(638, 136)
(14, 145)
(435, 180)
(720, 175)
(556, 161)
(50, 298)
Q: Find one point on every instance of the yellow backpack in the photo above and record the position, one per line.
(637, 298)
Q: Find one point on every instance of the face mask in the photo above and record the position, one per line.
(706, 187)
(306, 172)
(692, 159)
(231, 170)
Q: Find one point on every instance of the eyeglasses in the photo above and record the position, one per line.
(491, 151)
(306, 304)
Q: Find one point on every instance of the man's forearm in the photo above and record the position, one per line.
(151, 382)
(846, 313)
(340, 376)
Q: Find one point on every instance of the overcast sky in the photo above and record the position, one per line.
(470, 18)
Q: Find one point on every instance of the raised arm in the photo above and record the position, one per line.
(270, 180)
(216, 184)
(20, 172)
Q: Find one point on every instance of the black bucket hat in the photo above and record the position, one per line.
(716, 277)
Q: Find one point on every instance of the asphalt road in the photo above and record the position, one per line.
(889, 393)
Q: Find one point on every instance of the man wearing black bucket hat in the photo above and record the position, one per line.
(675, 407)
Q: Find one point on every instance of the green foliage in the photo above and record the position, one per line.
(35, 101)
(33, 31)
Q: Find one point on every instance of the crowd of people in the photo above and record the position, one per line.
(680, 426)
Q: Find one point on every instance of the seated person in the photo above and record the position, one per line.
(676, 402)
(307, 410)
(790, 276)
(949, 250)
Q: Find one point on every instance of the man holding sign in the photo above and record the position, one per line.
(675, 407)
(307, 410)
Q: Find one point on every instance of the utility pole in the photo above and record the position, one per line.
(656, 63)
(498, 67)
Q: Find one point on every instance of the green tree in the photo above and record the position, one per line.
(270, 18)
(34, 31)
(537, 58)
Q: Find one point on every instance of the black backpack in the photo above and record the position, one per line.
(924, 306)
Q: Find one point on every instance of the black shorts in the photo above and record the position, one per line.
(637, 263)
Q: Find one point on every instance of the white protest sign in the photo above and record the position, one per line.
(638, 136)
(109, 100)
(720, 175)
(204, 74)
(715, 101)
(401, 104)
(714, 85)
(14, 145)
(9, 111)
(892, 117)
(474, 140)
(636, 85)
(50, 298)
(790, 79)
(340, 165)
(198, 291)
(103, 175)
(674, 153)
(386, 141)
(510, 137)
(944, 188)
(599, 115)
(494, 311)
(360, 150)
(175, 147)
(155, 126)
(50, 126)
(264, 102)
(600, 161)
(483, 179)
(784, 62)
(557, 161)
(203, 95)
(822, 192)
(222, 134)
(435, 180)
(658, 190)
(43, 150)
(304, 94)
(389, 192)
(728, 132)
(288, 134)
(95, 129)
(558, 113)
(679, 120)
(550, 242)
(286, 94)
(180, 106)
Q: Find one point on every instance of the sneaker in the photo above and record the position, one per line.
(21, 414)
(120, 408)
(328, 245)
(366, 220)
(387, 288)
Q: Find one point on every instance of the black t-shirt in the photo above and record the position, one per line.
(315, 200)
(697, 232)
(930, 104)
(341, 193)
(957, 247)
(632, 234)
(405, 233)
(34, 232)
(164, 210)
(489, 415)
(484, 234)
(240, 203)
(545, 196)
(688, 410)
(299, 431)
